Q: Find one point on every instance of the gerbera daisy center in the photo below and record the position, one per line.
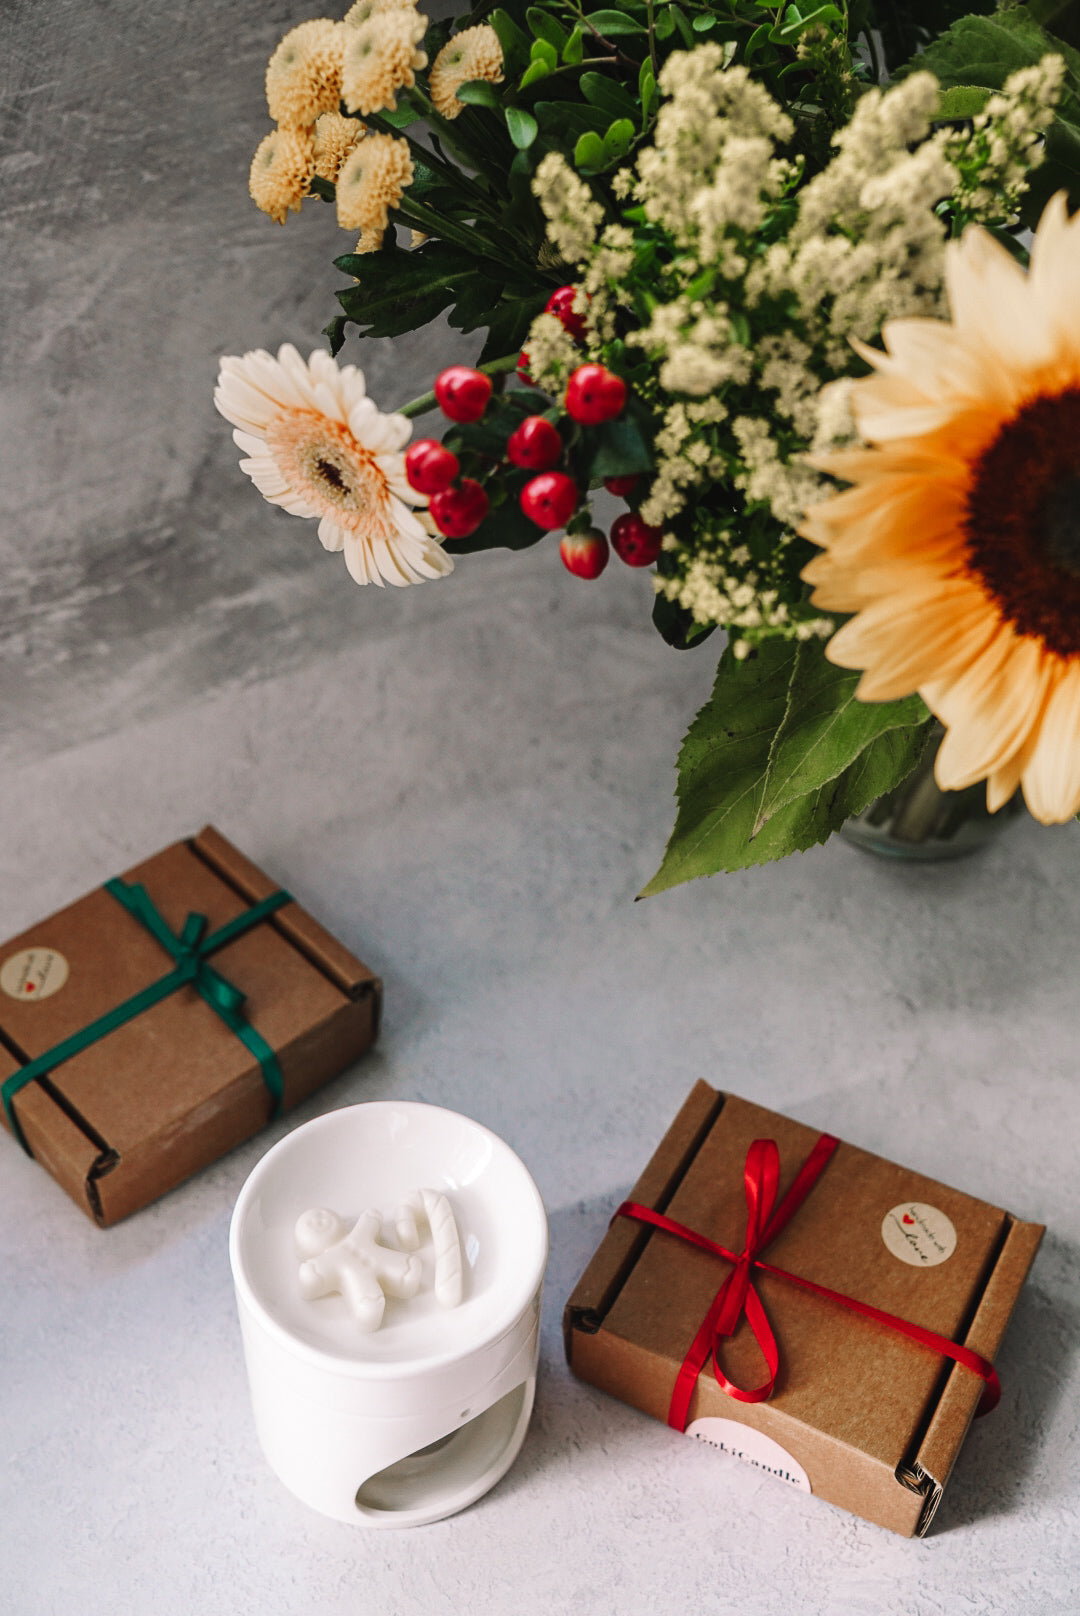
(1023, 520)
(325, 459)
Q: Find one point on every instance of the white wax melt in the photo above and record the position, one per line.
(364, 1272)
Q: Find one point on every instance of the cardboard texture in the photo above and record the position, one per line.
(875, 1419)
(139, 1111)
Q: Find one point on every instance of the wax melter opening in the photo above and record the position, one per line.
(457, 1468)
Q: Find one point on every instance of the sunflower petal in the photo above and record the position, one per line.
(1051, 779)
(989, 710)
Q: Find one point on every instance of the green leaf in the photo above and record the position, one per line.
(543, 51)
(401, 116)
(758, 39)
(589, 151)
(515, 41)
(682, 23)
(647, 92)
(615, 448)
(824, 728)
(574, 49)
(476, 296)
(534, 73)
(477, 93)
(611, 23)
(509, 322)
(523, 127)
(609, 96)
(544, 26)
(398, 291)
(676, 625)
(569, 117)
(618, 138)
(335, 333)
(794, 25)
(962, 101)
(779, 757)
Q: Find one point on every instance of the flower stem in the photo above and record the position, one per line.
(428, 401)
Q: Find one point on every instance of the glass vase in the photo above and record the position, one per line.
(919, 821)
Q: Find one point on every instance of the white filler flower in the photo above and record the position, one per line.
(317, 445)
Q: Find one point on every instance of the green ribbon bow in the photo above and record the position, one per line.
(191, 951)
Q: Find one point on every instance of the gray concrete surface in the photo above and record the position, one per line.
(468, 781)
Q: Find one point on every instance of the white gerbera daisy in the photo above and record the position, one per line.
(317, 445)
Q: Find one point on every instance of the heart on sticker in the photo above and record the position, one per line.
(908, 1218)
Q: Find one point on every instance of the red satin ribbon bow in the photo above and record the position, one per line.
(737, 1295)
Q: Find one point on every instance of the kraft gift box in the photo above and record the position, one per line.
(208, 1042)
(876, 1276)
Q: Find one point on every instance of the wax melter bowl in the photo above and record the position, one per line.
(412, 1421)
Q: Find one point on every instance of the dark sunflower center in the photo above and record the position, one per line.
(1061, 523)
(1023, 521)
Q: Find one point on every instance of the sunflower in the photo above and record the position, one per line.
(318, 446)
(957, 547)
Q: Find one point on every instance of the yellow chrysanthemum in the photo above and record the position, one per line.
(958, 546)
(373, 180)
(359, 13)
(380, 59)
(303, 77)
(475, 53)
(317, 445)
(335, 139)
(281, 172)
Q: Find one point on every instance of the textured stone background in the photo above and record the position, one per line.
(468, 782)
(136, 563)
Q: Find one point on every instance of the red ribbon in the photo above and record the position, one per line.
(737, 1295)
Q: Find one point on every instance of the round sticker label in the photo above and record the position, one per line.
(752, 1447)
(919, 1234)
(33, 973)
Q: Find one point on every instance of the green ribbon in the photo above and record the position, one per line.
(191, 951)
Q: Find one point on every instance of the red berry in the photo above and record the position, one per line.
(622, 485)
(429, 466)
(457, 512)
(462, 393)
(561, 305)
(594, 394)
(584, 554)
(534, 445)
(634, 541)
(550, 500)
(522, 370)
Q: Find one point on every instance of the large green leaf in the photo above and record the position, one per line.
(778, 758)
(398, 291)
(508, 323)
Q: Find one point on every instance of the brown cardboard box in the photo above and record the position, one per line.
(140, 1110)
(872, 1420)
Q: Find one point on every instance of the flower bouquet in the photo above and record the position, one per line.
(766, 274)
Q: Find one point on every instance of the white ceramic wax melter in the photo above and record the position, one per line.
(388, 1262)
